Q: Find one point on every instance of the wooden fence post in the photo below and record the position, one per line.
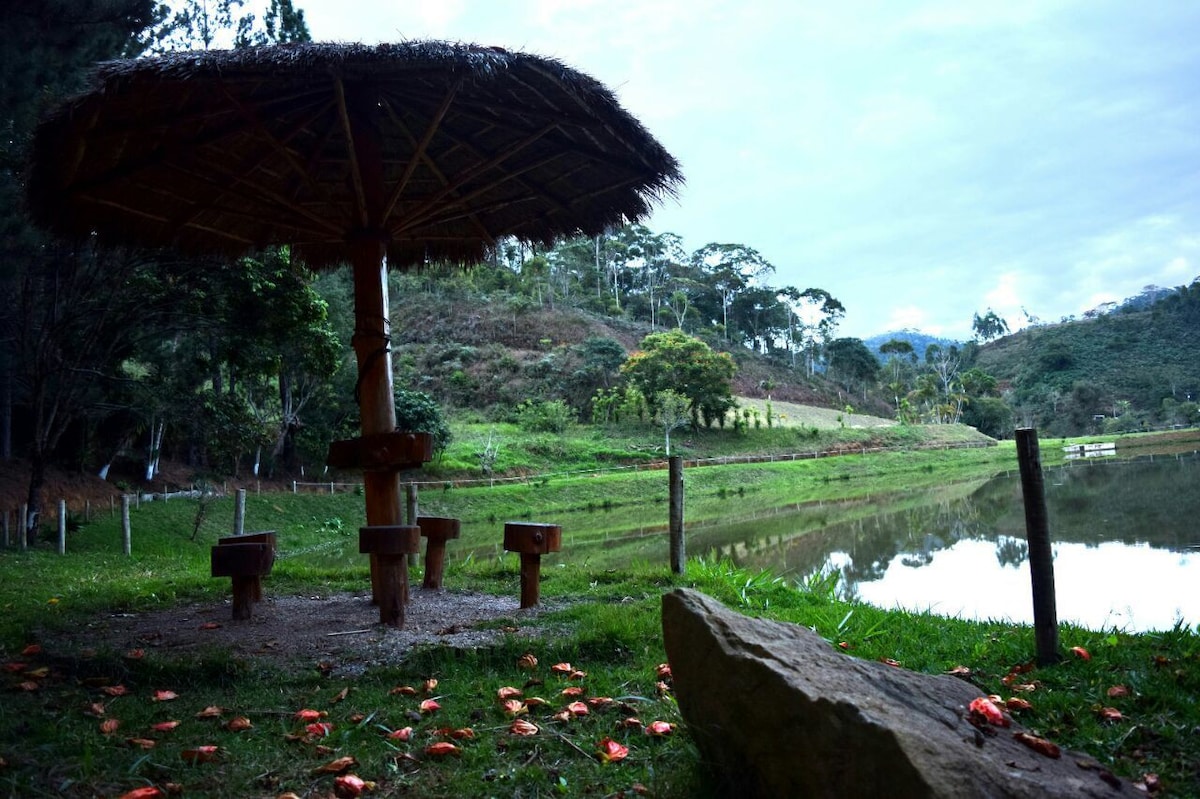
(239, 512)
(126, 536)
(411, 511)
(62, 527)
(678, 556)
(1041, 557)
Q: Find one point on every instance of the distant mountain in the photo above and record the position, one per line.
(919, 341)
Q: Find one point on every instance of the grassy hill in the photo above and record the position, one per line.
(1135, 368)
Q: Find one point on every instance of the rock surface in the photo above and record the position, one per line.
(776, 711)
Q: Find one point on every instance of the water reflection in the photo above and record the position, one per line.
(1126, 554)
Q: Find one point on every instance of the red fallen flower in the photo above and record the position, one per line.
(987, 710)
(308, 714)
(28, 685)
(164, 726)
(15, 667)
(960, 671)
(109, 726)
(146, 792)
(210, 712)
(1039, 745)
(563, 715)
(660, 728)
(135, 654)
(319, 728)
(403, 690)
(601, 701)
(513, 707)
(843, 644)
(1017, 703)
(357, 718)
(462, 734)
(403, 734)
(201, 754)
(632, 722)
(349, 785)
(527, 662)
(577, 675)
(611, 751)
(96, 709)
(663, 671)
(890, 662)
(430, 706)
(572, 691)
(238, 724)
(210, 625)
(115, 690)
(1110, 714)
(143, 743)
(441, 749)
(662, 688)
(164, 696)
(535, 701)
(1117, 691)
(1081, 653)
(562, 668)
(337, 766)
(523, 727)
(430, 685)
(508, 692)
(31, 650)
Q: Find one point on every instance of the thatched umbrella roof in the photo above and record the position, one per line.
(438, 148)
(413, 152)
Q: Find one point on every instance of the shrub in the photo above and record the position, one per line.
(544, 416)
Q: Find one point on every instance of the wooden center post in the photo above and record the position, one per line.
(389, 547)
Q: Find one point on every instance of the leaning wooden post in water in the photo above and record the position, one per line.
(1041, 558)
(678, 556)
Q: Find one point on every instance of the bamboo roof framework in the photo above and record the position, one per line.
(395, 154)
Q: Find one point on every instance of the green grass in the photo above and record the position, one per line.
(609, 628)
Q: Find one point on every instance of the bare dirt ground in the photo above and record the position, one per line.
(338, 633)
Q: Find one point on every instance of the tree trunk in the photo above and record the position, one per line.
(37, 479)
(6, 375)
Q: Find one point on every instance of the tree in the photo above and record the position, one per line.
(730, 269)
(988, 326)
(678, 362)
(185, 24)
(853, 362)
(418, 412)
(670, 413)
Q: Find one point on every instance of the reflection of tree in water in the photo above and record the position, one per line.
(1011, 551)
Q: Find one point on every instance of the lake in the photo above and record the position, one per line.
(1125, 540)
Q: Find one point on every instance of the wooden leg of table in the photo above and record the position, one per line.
(531, 574)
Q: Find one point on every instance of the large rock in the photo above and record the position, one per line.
(778, 712)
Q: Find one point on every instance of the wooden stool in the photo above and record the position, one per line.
(245, 564)
(532, 541)
(390, 545)
(265, 537)
(437, 530)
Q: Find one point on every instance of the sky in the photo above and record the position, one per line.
(920, 160)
